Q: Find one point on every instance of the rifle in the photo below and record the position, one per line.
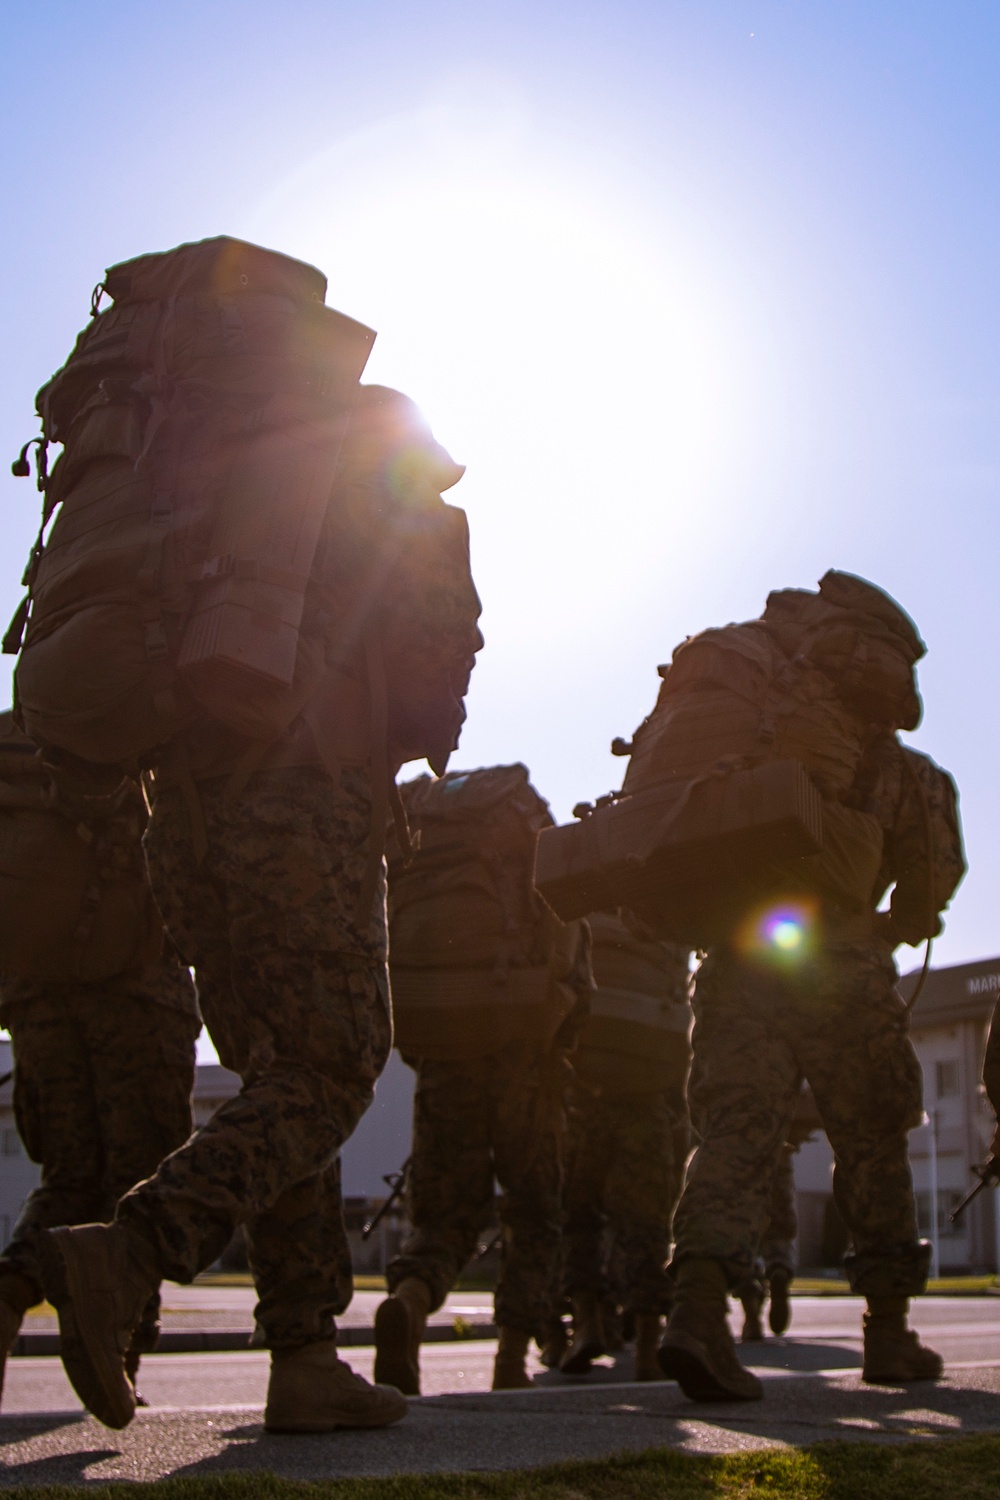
(396, 1182)
(989, 1176)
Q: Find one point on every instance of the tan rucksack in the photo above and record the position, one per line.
(803, 683)
(741, 784)
(636, 1036)
(743, 696)
(74, 900)
(195, 565)
(477, 959)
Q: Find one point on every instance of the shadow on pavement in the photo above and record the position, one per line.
(19, 1427)
(800, 1356)
(63, 1468)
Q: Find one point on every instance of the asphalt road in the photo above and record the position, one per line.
(205, 1413)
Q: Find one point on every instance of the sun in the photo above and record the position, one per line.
(575, 363)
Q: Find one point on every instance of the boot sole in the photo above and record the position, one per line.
(579, 1361)
(779, 1314)
(392, 1348)
(94, 1365)
(683, 1360)
(333, 1422)
(896, 1378)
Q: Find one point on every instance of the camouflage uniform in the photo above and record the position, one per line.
(627, 1120)
(498, 1115)
(294, 993)
(103, 1075)
(625, 1161)
(837, 1020)
(777, 1246)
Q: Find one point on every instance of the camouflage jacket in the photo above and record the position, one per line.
(923, 858)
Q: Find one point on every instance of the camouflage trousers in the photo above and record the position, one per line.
(473, 1121)
(839, 1023)
(103, 1076)
(776, 1251)
(624, 1161)
(295, 996)
(777, 1245)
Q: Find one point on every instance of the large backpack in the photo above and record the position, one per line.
(636, 1036)
(75, 905)
(741, 785)
(477, 959)
(802, 683)
(188, 569)
(736, 698)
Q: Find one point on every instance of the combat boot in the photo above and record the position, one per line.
(509, 1373)
(554, 1344)
(588, 1342)
(99, 1277)
(779, 1314)
(647, 1337)
(144, 1341)
(17, 1294)
(698, 1350)
(753, 1329)
(312, 1390)
(894, 1354)
(400, 1322)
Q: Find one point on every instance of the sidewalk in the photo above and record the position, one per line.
(479, 1431)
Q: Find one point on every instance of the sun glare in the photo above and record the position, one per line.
(577, 367)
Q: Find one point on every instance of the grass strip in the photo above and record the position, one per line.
(933, 1470)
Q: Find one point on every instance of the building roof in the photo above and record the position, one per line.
(961, 992)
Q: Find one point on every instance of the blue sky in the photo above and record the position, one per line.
(704, 294)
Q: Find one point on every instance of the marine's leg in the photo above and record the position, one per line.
(868, 1088)
(54, 1107)
(528, 1126)
(307, 1016)
(301, 1263)
(449, 1201)
(744, 1084)
(642, 1188)
(139, 1031)
(590, 1150)
(778, 1242)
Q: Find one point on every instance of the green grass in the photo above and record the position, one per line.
(960, 1286)
(966, 1467)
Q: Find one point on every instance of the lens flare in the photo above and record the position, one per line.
(782, 933)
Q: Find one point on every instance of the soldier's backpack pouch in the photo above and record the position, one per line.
(74, 901)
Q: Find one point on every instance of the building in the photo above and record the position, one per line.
(948, 1025)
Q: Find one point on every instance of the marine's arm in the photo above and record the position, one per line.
(926, 851)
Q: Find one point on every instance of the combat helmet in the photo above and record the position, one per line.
(860, 637)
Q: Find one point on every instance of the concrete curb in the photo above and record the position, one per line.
(222, 1340)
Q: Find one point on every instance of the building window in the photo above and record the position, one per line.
(947, 1078)
(11, 1143)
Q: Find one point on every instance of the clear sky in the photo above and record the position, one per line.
(703, 292)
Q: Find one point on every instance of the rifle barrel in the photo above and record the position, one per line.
(970, 1196)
